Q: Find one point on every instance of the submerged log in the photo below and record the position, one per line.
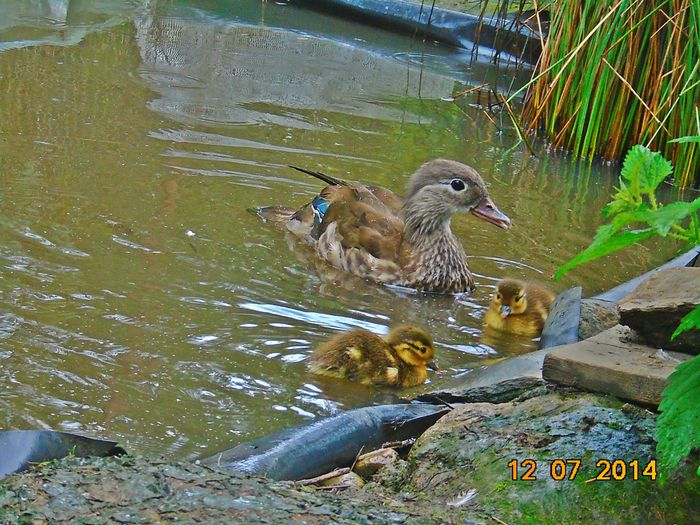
(20, 448)
(312, 450)
(511, 34)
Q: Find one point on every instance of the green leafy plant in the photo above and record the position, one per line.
(678, 425)
(634, 215)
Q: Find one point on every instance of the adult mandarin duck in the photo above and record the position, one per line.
(373, 233)
(519, 308)
(399, 360)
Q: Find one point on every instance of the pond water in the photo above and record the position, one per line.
(141, 301)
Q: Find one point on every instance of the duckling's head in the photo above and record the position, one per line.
(442, 187)
(510, 298)
(413, 346)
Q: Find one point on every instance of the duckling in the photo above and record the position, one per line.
(519, 308)
(399, 360)
(371, 232)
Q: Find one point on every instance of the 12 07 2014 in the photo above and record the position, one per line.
(568, 469)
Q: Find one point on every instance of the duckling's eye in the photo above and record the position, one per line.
(498, 297)
(457, 184)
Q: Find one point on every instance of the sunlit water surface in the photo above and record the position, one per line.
(141, 301)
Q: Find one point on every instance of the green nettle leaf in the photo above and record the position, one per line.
(644, 170)
(690, 322)
(603, 244)
(663, 219)
(623, 200)
(678, 425)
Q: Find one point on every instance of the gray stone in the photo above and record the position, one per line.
(368, 464)
(477, 446)
(656, 307)
(562, 325)
(596, 317)
(613, 363)
(503, 381)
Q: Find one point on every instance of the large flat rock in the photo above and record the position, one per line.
(613, 363)
(656, 307)
(497, 383)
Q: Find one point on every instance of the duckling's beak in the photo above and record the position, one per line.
(505, 311)
(432, 365)
(487, 210)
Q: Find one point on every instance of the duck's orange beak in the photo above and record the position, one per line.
(487, 210)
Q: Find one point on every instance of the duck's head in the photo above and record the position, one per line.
(510, 298)
(444, 186)
(413, 346)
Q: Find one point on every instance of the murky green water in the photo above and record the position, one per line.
(139, 300)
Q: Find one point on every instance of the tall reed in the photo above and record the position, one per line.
(617, 73)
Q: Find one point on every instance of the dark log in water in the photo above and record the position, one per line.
(311, 450)
(19, 448)
(458, 29)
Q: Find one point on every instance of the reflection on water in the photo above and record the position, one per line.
(141, 301)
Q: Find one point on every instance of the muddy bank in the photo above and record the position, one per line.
(470, 448)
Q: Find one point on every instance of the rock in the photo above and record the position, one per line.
(612, 363)
(596, 317)
(473, 449)
(656, 307)
(477, 446)
(142, 490)
(561, 326)
(503, 381)
(349, 479)
(368, 464)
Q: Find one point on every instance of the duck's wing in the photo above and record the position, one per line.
(363, 221)
(360, 225)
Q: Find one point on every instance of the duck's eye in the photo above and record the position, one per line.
(457, 184)
(498, 297)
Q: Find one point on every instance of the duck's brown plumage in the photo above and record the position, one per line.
(519, 308)
(373, 233)
(399, 360)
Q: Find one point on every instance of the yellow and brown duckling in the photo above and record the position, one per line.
(400, 359)
(372, 232)
(519, 308)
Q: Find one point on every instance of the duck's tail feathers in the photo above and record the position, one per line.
(321, 176)
(278, 216)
